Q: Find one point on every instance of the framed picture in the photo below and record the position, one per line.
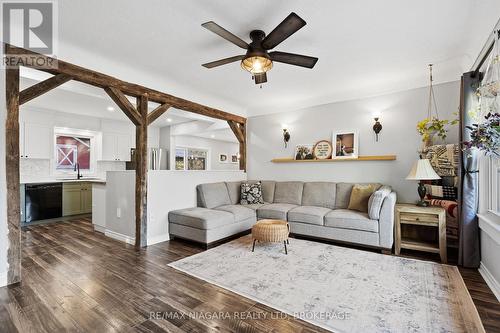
(234, 158)
(304, 152)
(346, 144)
(223, 158)
(323, 150)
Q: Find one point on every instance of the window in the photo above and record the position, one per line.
(191, 159)
(489, 171)
(72, 147)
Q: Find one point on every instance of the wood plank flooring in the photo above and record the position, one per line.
(77, 280)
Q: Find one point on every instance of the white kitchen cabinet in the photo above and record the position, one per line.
(35, 140)
(77, 198)
(115, 147)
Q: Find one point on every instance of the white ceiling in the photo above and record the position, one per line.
(365, 47)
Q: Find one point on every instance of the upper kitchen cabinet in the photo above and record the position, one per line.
(35, 140)
(115, 147)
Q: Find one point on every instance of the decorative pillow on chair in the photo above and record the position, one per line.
(360, 195)
(251, 194)
(376, 200)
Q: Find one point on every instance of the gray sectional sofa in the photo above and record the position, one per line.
(314, 209)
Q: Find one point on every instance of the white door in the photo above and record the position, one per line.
(38, 141)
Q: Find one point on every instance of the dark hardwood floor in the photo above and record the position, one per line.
(75, 279)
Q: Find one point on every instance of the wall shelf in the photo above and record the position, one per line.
(359, 158)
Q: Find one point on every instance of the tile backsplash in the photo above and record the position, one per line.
(32, 169)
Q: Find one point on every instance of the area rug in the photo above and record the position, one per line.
(341, 289)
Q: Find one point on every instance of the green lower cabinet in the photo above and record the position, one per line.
(77, 198)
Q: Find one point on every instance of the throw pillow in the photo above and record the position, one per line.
(251, 193)
(360, 195)
(376, 200)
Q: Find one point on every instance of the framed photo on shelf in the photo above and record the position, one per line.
(223, 158)
(304, 152)
(323, 150)
(346, 143)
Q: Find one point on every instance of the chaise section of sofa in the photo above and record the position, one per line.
(313, 209)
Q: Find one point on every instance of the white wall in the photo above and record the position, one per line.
(3, 186)
(490, 248)
(215, 148)
(165, 137)
(400, 113)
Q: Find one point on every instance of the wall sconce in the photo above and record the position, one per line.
(286, 135)
(377, 127)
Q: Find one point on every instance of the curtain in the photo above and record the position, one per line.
(469, 249)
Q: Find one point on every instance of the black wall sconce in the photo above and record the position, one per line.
(377, 127)
(286, 136)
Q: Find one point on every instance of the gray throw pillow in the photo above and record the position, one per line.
(251, 194)
(376, 200)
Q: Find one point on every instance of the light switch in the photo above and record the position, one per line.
(118, 212)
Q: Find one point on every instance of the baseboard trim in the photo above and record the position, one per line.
(490, 280)
(99, 228)
(158, 239)
(120, 237)
(3, 279)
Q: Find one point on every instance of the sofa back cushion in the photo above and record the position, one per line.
(343, 194)
(267, 189)
(320, 194)
(288, 192)
(234, 190)
(213, 195)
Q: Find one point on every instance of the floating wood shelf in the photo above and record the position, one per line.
(359, 158)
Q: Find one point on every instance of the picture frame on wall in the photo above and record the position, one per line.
(234, 158)
(346, 144)
(304, 152)
(323, 150)
(223, 158)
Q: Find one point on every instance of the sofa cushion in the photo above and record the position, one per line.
(240, 212)
(288, 193)
(251, 193)
(255, 206)
(276, 211)
(267, 189)
(200, 218)
(376, 200)
(350, 219)
(308, 214)
(319, 194)
(234, 189)
(360, 194)
(213, 195)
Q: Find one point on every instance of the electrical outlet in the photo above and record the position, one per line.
(118, 213)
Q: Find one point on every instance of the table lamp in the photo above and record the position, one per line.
(422, 170)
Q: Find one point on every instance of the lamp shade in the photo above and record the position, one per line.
(422, 170)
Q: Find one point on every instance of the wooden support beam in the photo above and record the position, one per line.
(239, 131)
(141, 173)
(12, 174)
(22, 56)
(156, 113)
(41, 88)
(124, 104)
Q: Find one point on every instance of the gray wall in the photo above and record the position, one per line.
(400, 113)
(3, 185)
(165, 137)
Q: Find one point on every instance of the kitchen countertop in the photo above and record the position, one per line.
(65, 180)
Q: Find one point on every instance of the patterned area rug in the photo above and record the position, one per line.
(341, 289)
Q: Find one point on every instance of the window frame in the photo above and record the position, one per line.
(186, 164)
(489, 187)
(91, 135)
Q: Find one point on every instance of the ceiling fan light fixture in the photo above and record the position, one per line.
(257, 64)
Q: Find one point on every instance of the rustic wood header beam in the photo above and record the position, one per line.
(41, 88)
(121, 100)
(104, 81)
(156, 113)
(239, 131)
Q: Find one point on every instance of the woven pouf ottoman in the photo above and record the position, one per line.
(271, 231)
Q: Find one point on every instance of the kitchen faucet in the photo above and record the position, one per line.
(77, 168)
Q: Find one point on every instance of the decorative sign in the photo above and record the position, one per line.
(323, 150)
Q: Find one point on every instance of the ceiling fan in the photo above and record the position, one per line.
(257, 59)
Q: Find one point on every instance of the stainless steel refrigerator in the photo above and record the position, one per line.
(157, 159)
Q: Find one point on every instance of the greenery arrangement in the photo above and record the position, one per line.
(486, 136)
(429, 127)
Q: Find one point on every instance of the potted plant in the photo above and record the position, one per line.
(486, 136)
(430, 127)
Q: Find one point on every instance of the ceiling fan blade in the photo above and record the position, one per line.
(223, 61)
(217, 29)
(260, 78)
(290, 25)
(293, 59)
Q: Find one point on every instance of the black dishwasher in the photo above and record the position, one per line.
(43, 201)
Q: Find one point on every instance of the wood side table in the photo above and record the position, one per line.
(421, 216)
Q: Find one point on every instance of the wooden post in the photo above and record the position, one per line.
(141, 173)
(243, 148)
(12, 174)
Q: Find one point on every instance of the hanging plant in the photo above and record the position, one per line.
(490, 86)
(486, 136)
(428, 128)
